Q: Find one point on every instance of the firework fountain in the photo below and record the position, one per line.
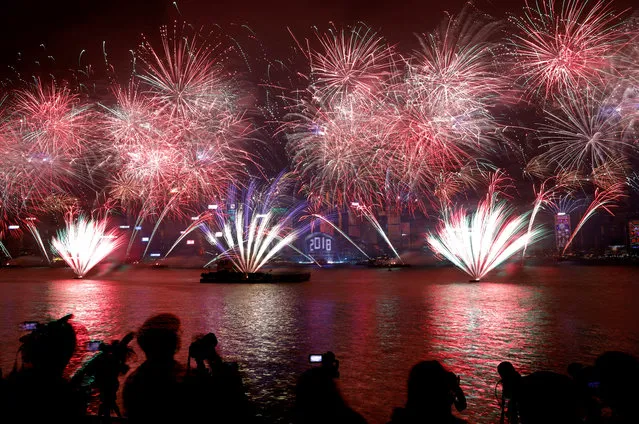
(257, 229)
(84, 242)
(480, 241)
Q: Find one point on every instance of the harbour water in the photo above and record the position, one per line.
(379, 323)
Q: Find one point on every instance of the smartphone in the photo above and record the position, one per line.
(29, 325)
(315, 358)
(94, 345)
(594, 384)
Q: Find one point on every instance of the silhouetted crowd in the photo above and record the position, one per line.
(161, 390)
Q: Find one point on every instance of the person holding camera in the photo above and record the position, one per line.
(617, 387)
(37, 391)
(103, 370)
(317, 397)
(543, 397)
(432, 391)
(215, 387)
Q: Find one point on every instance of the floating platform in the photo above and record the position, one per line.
(386, 263)
(254, 277)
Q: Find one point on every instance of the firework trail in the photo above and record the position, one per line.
(368, 214)
(476, 243)
(565, 45)
(4, 250)
(84, 242)
(31, 226)
(543, 197)
(339, 230)
(198, 223)
(604, 199)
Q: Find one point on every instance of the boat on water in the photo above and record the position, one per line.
(386, 262)
(226, 273)
(225, 276)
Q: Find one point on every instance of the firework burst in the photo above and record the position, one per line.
(179, 132)
(52, 120)
(355, 62)
(452, 83)
(186, 76)
(581, 136)
(565, 45)
(46, 146)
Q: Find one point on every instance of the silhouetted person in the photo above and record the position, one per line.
(586, 379)
(618, 374)
(511, 380)
(432, 391)
(103, 371)
(153, 392)
(215, 387)
(37, 392)
(541, 397)
(318, 400)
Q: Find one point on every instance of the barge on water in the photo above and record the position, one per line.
(254, 277)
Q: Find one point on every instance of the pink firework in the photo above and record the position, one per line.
(455, 71)
(28, 177)
(179, 131)
(566, 44)
(451, 85)
(133, 119)
(52, 120)
(350, 62)
(341, 152)
(339, 129)
(46, 141)
(186, 76)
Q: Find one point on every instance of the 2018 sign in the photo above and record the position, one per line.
(319, 243)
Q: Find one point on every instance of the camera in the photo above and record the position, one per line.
(315, 358)
(203, 347)
(29, 325)
(327, 361)
(93, 345)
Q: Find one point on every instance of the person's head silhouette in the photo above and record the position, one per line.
(159, 337)
(431, 388)
(618, 373)
(48, 348)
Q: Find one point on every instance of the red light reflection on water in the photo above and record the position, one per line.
(379, 323)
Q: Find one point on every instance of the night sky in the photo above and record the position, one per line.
(68, 26)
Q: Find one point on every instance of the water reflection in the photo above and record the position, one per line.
(378, 323)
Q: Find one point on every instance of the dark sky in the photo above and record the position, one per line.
(68, 26)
